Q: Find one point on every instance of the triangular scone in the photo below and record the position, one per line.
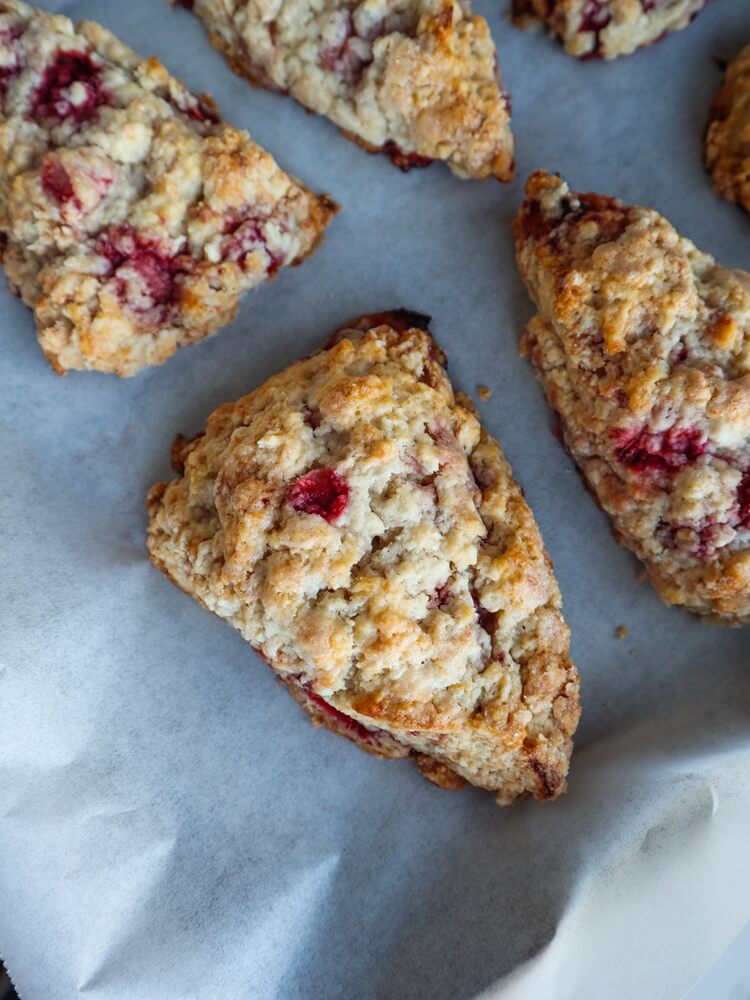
(132, 217)
(604, 29)
(416, 79)
(363, 533)
(642, 344)
(728, 135)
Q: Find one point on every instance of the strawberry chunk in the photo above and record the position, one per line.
(658, 451)
(320, 491)
(70, 88)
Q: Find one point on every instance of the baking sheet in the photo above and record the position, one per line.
(170, 825)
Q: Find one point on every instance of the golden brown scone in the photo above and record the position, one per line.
(132, 216)
(642, 344)
(605, 29)
(363, 533)
(416, 79)
(728, 135)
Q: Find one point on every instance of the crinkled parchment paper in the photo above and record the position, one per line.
(170, 824)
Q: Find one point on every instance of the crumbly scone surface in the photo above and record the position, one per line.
(366, 536)
(728, 135)
(642, 344)
(132, 216)
(608, 28)
(415, 78)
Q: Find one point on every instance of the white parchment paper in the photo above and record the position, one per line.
(171, 827)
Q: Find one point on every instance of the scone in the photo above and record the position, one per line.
(642, 344)
(605, 29)
(132, 217)
(416, 79)
(364, 534)
(728, 135)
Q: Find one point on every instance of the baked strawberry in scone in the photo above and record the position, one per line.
(366, 536)
(416, 79)
(728, 135)
(132, 217)
(604, 29)
(642, 344)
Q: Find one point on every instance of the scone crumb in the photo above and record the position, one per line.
(621, 631)
(484, 392)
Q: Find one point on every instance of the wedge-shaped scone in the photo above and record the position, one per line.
(416, 79)
(605, 29)
(363, 533)
(728, 135)
(132, 217)
(642, 344)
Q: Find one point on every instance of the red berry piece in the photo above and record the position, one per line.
(743, 501)
(440, 596)
(197, 109)
(56, 183)
(343, 58)
(70, 88)
(403, 160)
(320, 491)
(595, 16)
(352, 726)
(485, 618)
(659, 451)
(145, 275)
(244, 235)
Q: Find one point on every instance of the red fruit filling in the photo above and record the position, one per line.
(57, 184)
(440, 596)
(743, 501)
(311, 417)
(197, 109)
(343, 58)
(485, 618)
(145, 276)
(658, 451)
(12, 66)
(401, 320)
(244, 235)
(595, 16)
(56, 97)
(354, 728)
(706, 536)
(404, 161)
(320, 491)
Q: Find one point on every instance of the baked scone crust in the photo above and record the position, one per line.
(642, 345)
(728, 135)
(365, 535)
(132, 217)
(605, 29)
(416, 79)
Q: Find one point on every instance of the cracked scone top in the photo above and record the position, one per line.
(132, 216)
(642, 344)
(605, 29)
(363, 533)
(416, 79)
(728, 135)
